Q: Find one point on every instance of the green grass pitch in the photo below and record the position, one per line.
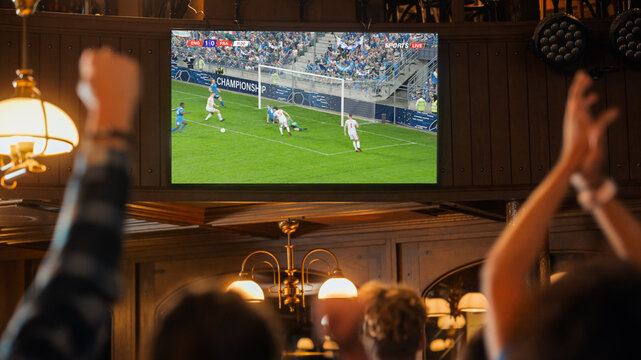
(253, 152)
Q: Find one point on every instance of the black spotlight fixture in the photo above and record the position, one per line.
(625, 35)
(560, 39)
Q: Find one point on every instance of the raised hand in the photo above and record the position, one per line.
(583, 132)
(109, 88)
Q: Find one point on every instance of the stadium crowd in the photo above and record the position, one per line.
(267, 48)
(366, 57)
(350, 56)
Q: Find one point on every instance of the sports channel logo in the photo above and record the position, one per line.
(404, 45)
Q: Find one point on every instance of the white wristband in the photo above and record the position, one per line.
(591, 199)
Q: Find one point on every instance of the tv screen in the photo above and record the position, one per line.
(278, 107)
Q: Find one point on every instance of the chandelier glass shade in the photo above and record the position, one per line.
(58, 137)
(248, 290)
(437, 307)
(473, 302)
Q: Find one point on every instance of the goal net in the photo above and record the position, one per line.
(301, 88)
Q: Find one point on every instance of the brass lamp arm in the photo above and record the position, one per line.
(243, 273)
(303, 267)
(270, 265)
(329, 269)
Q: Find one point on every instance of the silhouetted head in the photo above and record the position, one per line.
(593, 312)
(215, 325)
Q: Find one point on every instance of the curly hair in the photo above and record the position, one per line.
(394, 320)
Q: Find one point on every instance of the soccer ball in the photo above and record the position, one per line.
(222, 130)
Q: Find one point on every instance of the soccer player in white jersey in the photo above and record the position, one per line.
(350, 128)
(282, 116)
(211, 108)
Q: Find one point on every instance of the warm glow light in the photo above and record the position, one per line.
(330, 345)
(438, 345)
(557, 276)
(473, 302)
(305, 343)
(22, 120)
(451, 322)
(248, 290)
(337, 288)
(437, 307)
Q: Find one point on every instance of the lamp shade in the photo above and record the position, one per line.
(248, 290)
(337, 288)
(473, 302)
(451, 322)
(305, 343)
(438, 345)
(22, 120)
(437, 307)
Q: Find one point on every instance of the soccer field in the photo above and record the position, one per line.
(253, 152)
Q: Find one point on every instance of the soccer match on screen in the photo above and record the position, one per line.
(274, 107)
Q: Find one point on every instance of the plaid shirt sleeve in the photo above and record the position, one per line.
(63, 313)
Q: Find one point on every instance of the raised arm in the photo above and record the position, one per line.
(597, 194)
(511, 257)
(621, 228)
(63, 313)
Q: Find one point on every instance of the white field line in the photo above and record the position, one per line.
(227, 101)
(260, 137)
(374, 148)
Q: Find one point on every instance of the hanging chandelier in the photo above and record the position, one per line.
(29, 126)
(291, 290)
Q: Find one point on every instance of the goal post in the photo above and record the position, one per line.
(301, 81)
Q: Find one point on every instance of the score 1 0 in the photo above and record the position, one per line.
(209, 43)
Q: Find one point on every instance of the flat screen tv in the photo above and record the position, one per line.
(288, 107)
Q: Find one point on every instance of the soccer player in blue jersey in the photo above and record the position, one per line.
(180, 120)
(270, 114)
(213, 88)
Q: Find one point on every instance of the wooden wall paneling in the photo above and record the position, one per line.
(86, 42)
(480, 115)
(145, 307)
(556, 95)
(150, 144)
(110, 41)
(324, 10)
(444, 117)
(619, 157)
(12, 274)
(219, 10)
(499, 113)
(164, 104)
(9, 61)
(412, 258)
(69, 102)
(49, 85)
(538, 117)
(460, 97)
(123, 336)
(131, 47)
(518, 97)
(441, 257)
(256, 10)
(633, 89)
